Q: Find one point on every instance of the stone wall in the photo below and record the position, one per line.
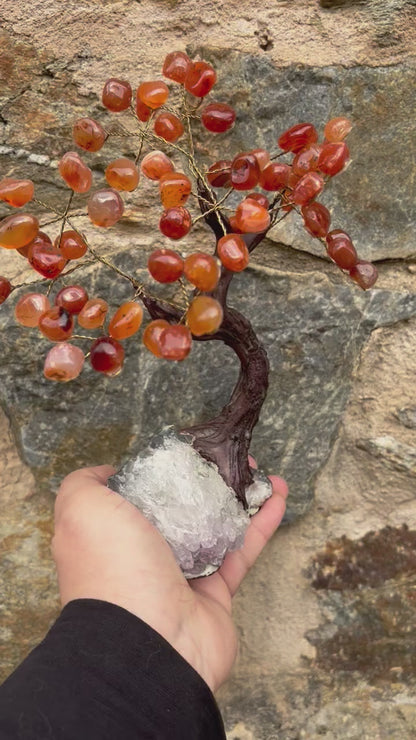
(327, 617)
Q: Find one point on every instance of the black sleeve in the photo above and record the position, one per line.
(103, 674)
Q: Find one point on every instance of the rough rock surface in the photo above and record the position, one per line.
(340, 417)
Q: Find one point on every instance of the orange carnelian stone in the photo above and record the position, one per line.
(56, 324)
(18, 230)
(341, 249)
(30, 308)
(72, 298)
(218, 117)
(245, 172)
(63, 362)
(364, 274)
(143, 112)
(155, 164)
(122, 174)
(298, 137)
(274, 176)
(337, 129)
(153, 94)
(168, 126)
(307, 188)
(107, 356)
(88, 134)
(116, 95)
(333, 157)
(165, 265)
(317, 219)
(5, 289)
(306, 160)
(202, 270)
(233, 252)
(251, 217)
(219, 174)
(105, 208)
(262, 156)
(175, 342)
(93, 314)
(200, 79)
(75, 172)
(175, 222)
(71, 244)
(176, 66)
(151, 335)
(45, 258)
(175, 188)
(126, 320)
(204, 315)
(259, 198)
(16, 192)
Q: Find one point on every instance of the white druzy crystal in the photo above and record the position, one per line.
(186, 498)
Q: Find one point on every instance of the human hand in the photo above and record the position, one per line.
(104, 548)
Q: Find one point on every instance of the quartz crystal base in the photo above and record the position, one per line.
(187, 500)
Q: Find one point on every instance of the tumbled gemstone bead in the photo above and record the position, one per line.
(341, 249)
(143, 112)
(30, 308)
(233, 253)
(105, 208)
(16, 192)
(122, 174)
(204, 315)
(262, 156)
(165, 265)
(233, 225)
(75, 172)
(155, 164)
(71, 245)
(126, 320)
(364, 274)
(45, 258)
(306, 160)
(200, 79)
(219, 174)
(308, 187)
(244, 172)
(72, 298)
(333, 158)
(293, 178)
(93, 314)
(107, 356)
(298, 137)
(251, 217)
(56, 324)
(202, 270)
(18, 230)
(168, 126)
(176, 66)
(153, 94)
(175, 222)
(337, 129)
(317, 219)
(259, 198)
(175, 188)
(151, 335)
(63, 362)
(5, 289)
(88, 134)
(218, 117)
(116, 95)
(175, 342)
(274, 176)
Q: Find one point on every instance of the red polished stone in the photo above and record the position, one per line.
(233, 253)
(337, 129)
(175, 188)
(122, 174)
(218, 117)
(56, 324)
(168, 126)
(204, 315)
(71, 245)
(200, 79)
(175, 342)
(308, 187)
(18, 230)
(175, 222)
(306, 160)
(317, 219)
(251, 217)
(176, 66)
(88, 134)
(219, 174)
(116, 95)
(126, 320)
(63, 362)
(151, 335)
(5, 289)
(72, 298)
(75, 172)
(105, 208)
(45, 258)
(107, 356)
(341, 249)
(298, 137)
(165, 265)
(333, 158)
(364, 274)
(274, 176)
(262, 156)
(143, 112)
(153, 94)
(30, 308)
(93, 314)
(259, 198)
(155, 164)
(245, 172)
(202, 270)
(16, 192)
